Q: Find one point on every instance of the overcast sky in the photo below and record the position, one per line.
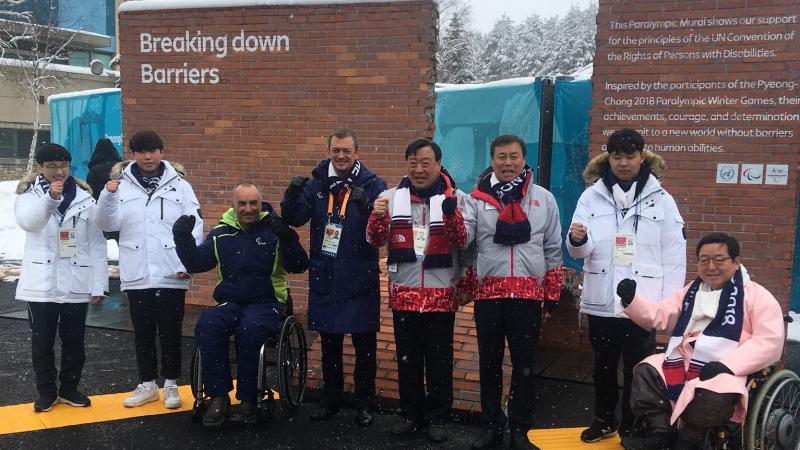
(486, 12)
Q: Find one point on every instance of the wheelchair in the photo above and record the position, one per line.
(285, 354)
(773, 416)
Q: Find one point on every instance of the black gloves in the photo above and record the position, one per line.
(182, 228)
(279, 227)
(359, 198)
(713, 369)
(626, 289)
(295, 187)
(449, 205)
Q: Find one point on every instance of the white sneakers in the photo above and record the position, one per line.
(145, 393)
(141, 395)
(172, 399)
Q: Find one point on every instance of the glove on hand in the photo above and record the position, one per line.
(359, 198)
(713, 369)
(295, 187)
(449, 205)
(182, 228)
(626, 289)
(281, 229)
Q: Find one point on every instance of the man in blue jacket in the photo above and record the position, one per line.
(253, 249)
(344, 291)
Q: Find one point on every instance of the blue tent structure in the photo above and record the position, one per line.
(79, 119)
(468, 117)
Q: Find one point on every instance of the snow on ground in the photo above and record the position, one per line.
(793, 331)
(12, 237)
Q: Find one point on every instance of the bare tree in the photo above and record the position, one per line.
(32, 47)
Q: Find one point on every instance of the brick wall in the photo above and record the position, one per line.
(366, 66)
(698, 64)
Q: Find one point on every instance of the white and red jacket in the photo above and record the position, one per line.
(412, 287)
(531, 270)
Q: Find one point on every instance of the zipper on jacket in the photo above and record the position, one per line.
(162, 208)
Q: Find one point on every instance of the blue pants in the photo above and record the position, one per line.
(251, 324)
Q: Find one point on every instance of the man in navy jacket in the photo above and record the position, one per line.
(344, 292)
(253, 249)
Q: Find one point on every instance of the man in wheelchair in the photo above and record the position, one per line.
(724, 326)
(253, 249)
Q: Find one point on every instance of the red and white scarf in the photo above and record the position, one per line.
(438, 252)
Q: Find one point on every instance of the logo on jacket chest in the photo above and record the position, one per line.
(260, 241)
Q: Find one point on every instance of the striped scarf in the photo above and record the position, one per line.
(719, 338)
(438, 252)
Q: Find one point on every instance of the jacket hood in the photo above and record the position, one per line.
(122, 165)
(598, 166)
(26, 182)
(104, 151)
(229, 217)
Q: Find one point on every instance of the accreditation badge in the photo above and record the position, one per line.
(67, 242)
(624, 249)
(331, 239)
(420, 241)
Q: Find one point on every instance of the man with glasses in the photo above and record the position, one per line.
(344, 293)
(423, 229)
(724, 327)
(626, 225)
(64, 267)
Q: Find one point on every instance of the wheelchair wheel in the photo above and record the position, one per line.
(200, 399)
(292, 364)
(773, 418)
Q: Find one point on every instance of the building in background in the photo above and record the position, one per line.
(88, 28)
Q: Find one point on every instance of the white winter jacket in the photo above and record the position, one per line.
(660, 256)
(45, 276)
(147, 257)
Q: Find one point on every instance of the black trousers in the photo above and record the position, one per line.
(519, 321)
(333, 368)
(157, 311)
(425, 358)
(706, 410)
(69, 320)
(611, 337)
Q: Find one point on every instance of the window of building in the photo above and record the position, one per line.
(16, 143)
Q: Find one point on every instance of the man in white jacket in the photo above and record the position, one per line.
(142, 202)
(625, 225)
(64, 267)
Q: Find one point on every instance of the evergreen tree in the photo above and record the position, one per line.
(456, 54)
(502, 50)
(531, 35)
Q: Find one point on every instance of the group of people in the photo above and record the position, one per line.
(498, 245)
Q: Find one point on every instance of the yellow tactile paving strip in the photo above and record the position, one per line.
(108, 407)
(568, 439)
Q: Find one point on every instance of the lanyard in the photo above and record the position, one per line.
(343, 209)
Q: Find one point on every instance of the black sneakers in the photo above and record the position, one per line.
(74, 398)
(45, 403)
(599, 430)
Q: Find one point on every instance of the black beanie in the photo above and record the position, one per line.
(52, 152)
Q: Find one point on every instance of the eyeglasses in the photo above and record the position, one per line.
(56, 167)
(704, 260)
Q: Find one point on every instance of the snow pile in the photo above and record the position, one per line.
(793, 331)
(12, 237)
